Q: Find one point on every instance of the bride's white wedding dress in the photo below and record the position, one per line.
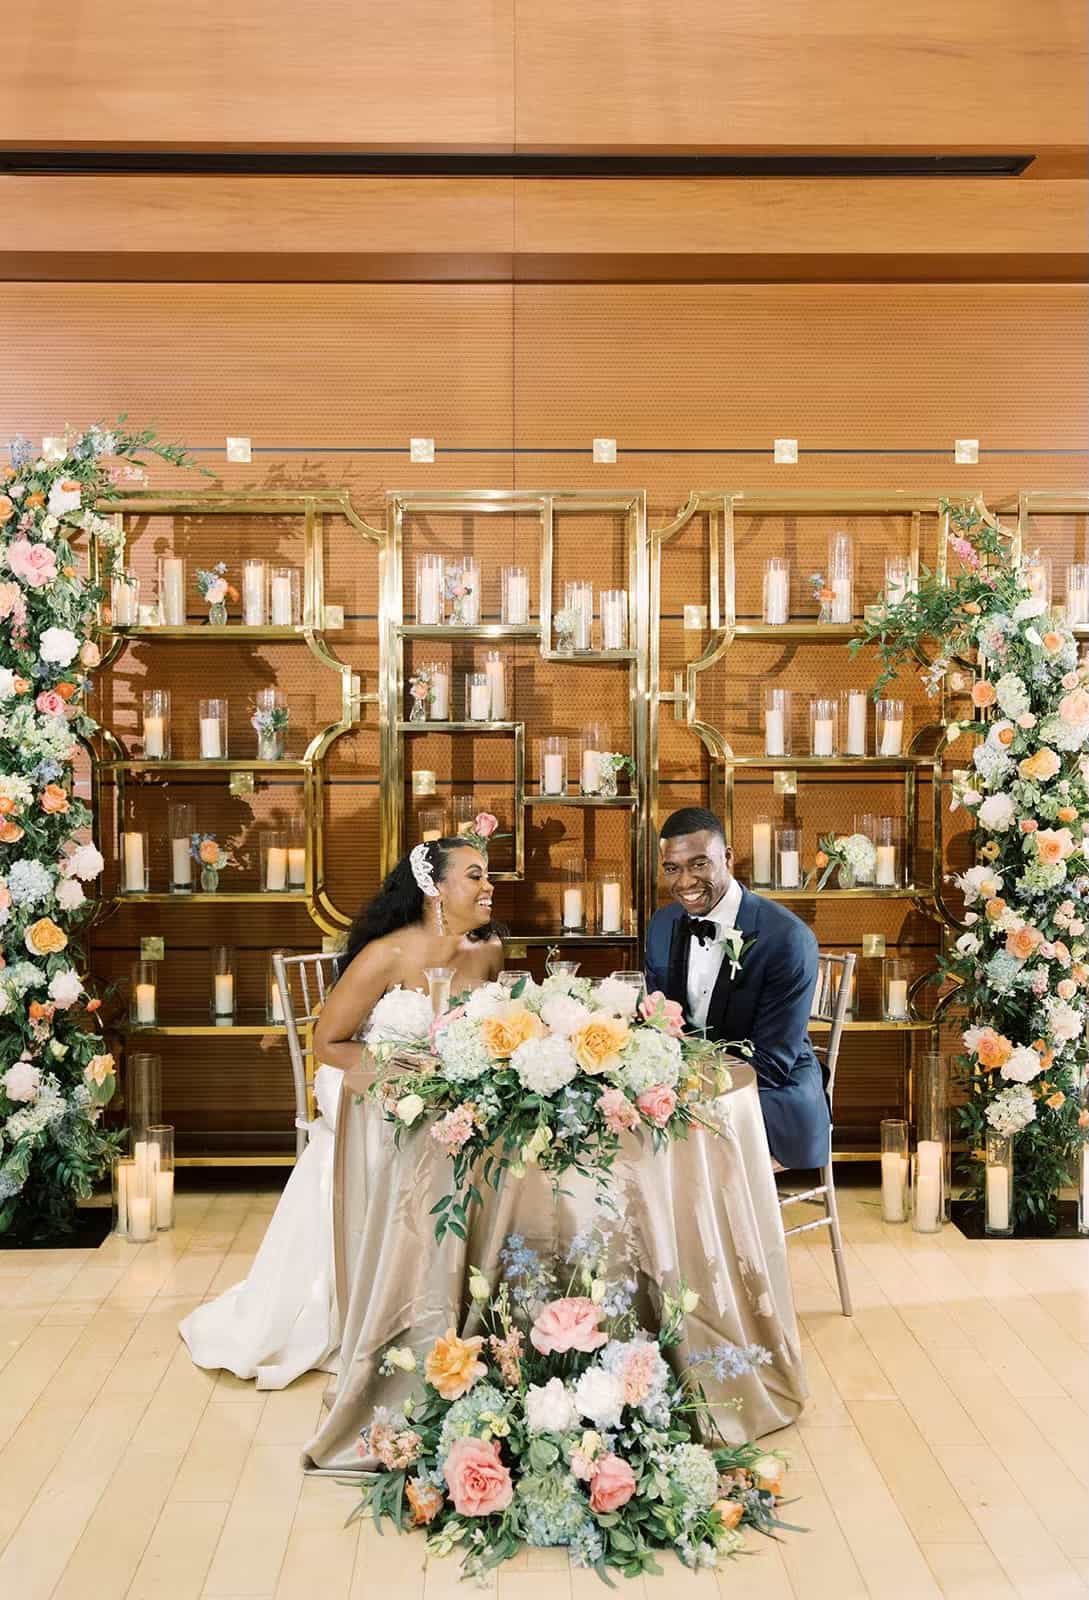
(281, 1320)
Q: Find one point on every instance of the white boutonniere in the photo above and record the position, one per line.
(735, 948)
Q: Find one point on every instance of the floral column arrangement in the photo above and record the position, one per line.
(55, 1075)
(1022, 962)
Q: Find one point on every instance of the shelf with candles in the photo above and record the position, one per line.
(862, 892)
(480, 630)
(542, 940)
(875, 1025)
(459, 727)
(249, 1026)
(583, 658)
(838, 763)
(599, 802)
(201, 630)
(210, 897)
(817, 632)
(215, 764)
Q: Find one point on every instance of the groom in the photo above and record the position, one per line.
(766, 999)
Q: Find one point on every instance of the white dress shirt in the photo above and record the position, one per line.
(705, 960)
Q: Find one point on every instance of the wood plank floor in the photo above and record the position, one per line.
(943, 1452)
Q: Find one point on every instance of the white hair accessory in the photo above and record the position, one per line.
(422, 870)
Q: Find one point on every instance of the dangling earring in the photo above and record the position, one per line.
(439, 916)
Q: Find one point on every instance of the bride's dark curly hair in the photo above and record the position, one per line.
(400, 901)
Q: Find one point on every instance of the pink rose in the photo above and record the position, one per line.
(216, 591)
(570, 1324)
(50, 704)
(485, 824)
(478, 1481)
(665, 1015)
(612, 1484)
(1069, 680)
(657, 1103)
(618, 1111)
(1073, 707)
(34, 563)
(89, 654)
(1067, 988)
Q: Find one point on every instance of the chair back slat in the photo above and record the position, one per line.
(314, 975)
(831, 1001)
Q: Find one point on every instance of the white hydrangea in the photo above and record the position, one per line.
(1011, 1110)
(58, 645)
(544, 1066)
(1062, 735)
(65, 988)
(1023, 1065)
(563, 1015)
(979, 883)
(15, 788)
(85, 862)
(599, 1398)
(70, 895)
(401, 1014)
(549, 1408)
(997, 813)
(620, 999)
(1064, 1023)
(7, 683)
(22, 1081)
(860, 854)
(487, 1001)
(29, 882)
(462, 1052)
(560, 983)
(1033, 607)
(649, 1057)
(1013, 697)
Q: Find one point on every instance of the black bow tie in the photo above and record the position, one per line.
(705, 931)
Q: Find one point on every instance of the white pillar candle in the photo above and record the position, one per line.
(224, 994)
(121, 605)
(898, 999)
(613, 621)
(894, 1169)
(180, 862)
(154, 738)
(610, 908)
(430, 834)
(761, 852)
(892, 735)
(572, 908)
(774, 736)
(132, 855)
(277, 1003)
(998, 1198)
(790, 875)
(281, 601)
(841, 599)
(253, 595)
(1077, 606)
(211, 744)
(553, 774)
(591, 771)
(145, 1002)
(517, 599)
(172, 599)
(123, 1200)
(497, 691)
(777, 604)
(164, 1200)
(856, 723)
(429, 597)
(479, 702)
(440, 696)
(928, 1183)
(822, 737)
(276, 867)
(885, 875)
(139, 1219)
(296, 866)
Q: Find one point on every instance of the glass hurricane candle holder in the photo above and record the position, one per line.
(274, 1000)
(594, 745)
(895, 975)
(432, 825)
(145, 1099)
(285, 597)
(133, 1200)
(865, 823)
(609, 880)
(823, 726)
(511, 977)
(578, 606)
(930, 1186)
(1077, 594)
(574, 895)
(776, 591)
(890, 727)
(439, 980)
(854, 710)
(635, 981)
(255, 593)
(430, 590)
(998, 1186)
(761, 851)
(1037, 570)
(223, 984)
(463, 591)
(171, 592)
(134, 860)
(514, 592)
(124, 600)
(270, 721)
(181, 825)
(894, 1170)
(477, 697)
(553, 754)
(614, 619)
(465, 809)
(788, 858)
(496, 673)
(899, 579)
(889, 840)
(273, 861)
(160, 1161)
(156, 723)
(144, 1002)
(841, 567)
(778, 722)
(213, 730)
(296, 853)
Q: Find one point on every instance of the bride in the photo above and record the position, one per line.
(434, 910)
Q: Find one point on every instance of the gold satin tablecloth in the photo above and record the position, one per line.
(704, 1211)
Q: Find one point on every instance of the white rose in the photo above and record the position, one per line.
(22, 1081)
(689, 1301)
(86, 862)
(62, 500)
(70, 894)
(7, 683)
(54, 449)
(1023, 1065)
(401, 1357)
(1065, 1023)
(996, 812)
(408, 1109)
(479, 1287)
(597, 1290)
(1035, 607)
(487, 1001)
(65, 988)
(5, 1001)
(549, 1408)
(58, 645)
(969, 944)
(599, 1398)
(563, 1015)
(617, 997)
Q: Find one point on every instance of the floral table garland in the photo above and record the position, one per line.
(55, 1076)
(1022, 963)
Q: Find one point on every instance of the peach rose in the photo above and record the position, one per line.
(503, 1035)
(1053, 642)
(1022, 942)
(34, 501)
(769, 1473)
(89, 654)
(983, 694)
(66, 691)
(1067, 988)
(612, 1484)
(209, 852)
(1029, 824)
(20, 685)
(425, 1500)
(10, 833)
(568, 1324)
(5, 900)
(478, 1481)
(7, 510)
(598, 1043)
(1006, 736)
(1066, 814)
(9, 594)
(453, 1365)
(44, 938)
(99, 1068)
(618, 1111)
(1053, 845)
(993, 1049)
(1056, 1100)
(995, 908)
(53, 799)
(1043, 765)
(1083, 1119)
(1074, 708)
(730, 1512)
(657, 1103)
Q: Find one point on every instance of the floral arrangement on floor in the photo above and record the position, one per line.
(215, 589)
(561, 1424)
(549, 1075)
(1023, 962)
(854, 854)
(55, 1077)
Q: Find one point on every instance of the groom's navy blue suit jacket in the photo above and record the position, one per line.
(767, 1003)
